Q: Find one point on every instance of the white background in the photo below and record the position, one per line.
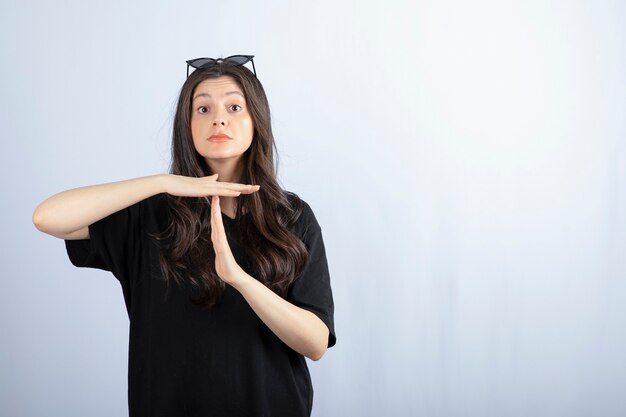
(466, 161)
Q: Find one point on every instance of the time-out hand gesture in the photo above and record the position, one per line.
(183, 186)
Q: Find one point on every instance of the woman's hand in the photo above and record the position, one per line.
(225, 264)
(183, 186)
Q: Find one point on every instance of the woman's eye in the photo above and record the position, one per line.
(235, 105)
(202, 109)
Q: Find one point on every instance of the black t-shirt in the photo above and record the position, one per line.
(188, 361)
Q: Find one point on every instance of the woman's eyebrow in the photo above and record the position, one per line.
(209, 95)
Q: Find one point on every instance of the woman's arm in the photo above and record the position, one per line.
(68, 214)
(298, 328)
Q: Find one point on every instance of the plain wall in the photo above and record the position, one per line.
(466, 161)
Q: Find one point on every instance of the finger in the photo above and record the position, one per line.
(214, 209)
(251, 189)
(218, 233)
(235, 186)
(218, 218)
(228, 192)
(225, 193)
(244, 189)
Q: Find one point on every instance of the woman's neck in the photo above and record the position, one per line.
(227, 170)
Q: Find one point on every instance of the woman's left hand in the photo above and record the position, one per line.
(225, 264)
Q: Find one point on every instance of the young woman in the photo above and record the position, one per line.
(226, 283)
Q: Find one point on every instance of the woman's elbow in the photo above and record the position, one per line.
(320, 347)
(317, 355)
(317, 339)
(39, 219)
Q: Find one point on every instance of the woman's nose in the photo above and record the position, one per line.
(219, 119)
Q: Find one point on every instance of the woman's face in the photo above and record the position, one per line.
(219, 107)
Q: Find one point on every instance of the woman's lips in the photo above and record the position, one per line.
(219, 138)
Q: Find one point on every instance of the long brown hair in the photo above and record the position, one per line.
(274, 255)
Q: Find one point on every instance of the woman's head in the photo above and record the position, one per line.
(218, 106)
(205, 107)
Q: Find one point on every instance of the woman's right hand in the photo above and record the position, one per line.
(182, 186)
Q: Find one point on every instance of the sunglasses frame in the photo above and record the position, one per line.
(217, 61)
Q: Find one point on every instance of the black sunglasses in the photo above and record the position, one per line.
(234, 60)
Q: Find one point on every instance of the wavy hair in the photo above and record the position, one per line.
(273, 254)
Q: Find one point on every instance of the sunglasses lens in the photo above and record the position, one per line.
(202, 62)
(237, 60)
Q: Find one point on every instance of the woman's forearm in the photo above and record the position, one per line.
(72, 210)
(298, 328)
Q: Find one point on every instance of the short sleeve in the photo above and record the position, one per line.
(114, 244)
(311, 290)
